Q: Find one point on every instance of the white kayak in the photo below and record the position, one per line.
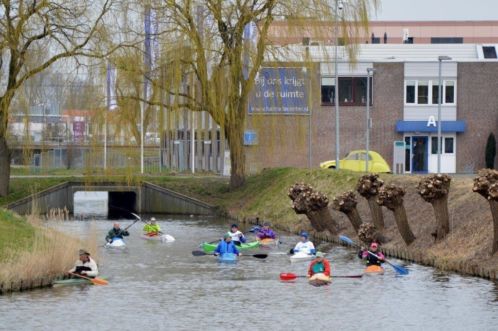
(116, 243)
(162, 237)
(301, 256)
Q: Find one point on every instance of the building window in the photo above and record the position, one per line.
(489, 52)
(434, 145)
(423, 93)
(410, 91)
(449, 145)
(328, 90)
(435, 94)
(449, 91)
(426, 92)
(352, 91)
(446, 40)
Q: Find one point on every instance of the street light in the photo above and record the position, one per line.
(440, 58)
(369, 70)
(338, 6)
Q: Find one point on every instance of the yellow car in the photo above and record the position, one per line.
(355, 161)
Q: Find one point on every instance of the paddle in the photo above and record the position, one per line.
(201, 253)
(291, 276)
(399, 269)
(95, 281)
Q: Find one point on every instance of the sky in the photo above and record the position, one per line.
(441, 10)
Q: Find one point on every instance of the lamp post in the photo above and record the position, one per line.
(440, 58)
(367, 143)
(338, 6)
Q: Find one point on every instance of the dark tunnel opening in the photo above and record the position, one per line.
(122, 204)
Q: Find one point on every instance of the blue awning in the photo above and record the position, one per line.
(424, 126)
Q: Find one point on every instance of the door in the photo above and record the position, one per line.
(419, 154)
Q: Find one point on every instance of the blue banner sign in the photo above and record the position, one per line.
(281, 91)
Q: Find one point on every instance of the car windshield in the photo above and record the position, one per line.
(352, 156)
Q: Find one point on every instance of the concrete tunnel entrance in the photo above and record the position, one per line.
(122, 204)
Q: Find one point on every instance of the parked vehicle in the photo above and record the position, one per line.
(356, 161)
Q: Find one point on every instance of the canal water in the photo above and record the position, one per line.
(162, 286)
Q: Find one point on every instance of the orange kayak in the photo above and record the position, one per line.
(374, 269)
(267, 242)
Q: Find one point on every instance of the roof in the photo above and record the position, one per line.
(384, 53)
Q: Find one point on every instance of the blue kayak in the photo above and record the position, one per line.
(228, 258)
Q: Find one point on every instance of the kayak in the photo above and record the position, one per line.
(374, 270)
(268, 242)
(228, 258)
(210, 247)
(319, 279)
(116, 243)
(161, 237)
(74, 281)
(301, 256)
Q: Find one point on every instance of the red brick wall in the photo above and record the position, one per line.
(283, 139)
(477, 105)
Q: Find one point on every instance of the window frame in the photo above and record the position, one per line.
(432, 83)
(354, 81)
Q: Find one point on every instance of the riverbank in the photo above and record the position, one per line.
(32, 254)
(466, 249)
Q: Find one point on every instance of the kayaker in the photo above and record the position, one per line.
(226, 246)
(304, 246)
(116, 232)
(152, 228)
(370, 259)
(238, 237)
(85, 265)
(265, 232)
(319, 268)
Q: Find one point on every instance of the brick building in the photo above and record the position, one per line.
(404, 106)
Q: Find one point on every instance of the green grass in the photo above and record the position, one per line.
(16, 233)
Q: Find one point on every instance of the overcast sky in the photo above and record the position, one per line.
(427, 10)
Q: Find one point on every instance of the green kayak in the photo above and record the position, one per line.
(210, 247)
(74, 281)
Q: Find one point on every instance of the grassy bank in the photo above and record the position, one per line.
(466, 249)
(30, 251)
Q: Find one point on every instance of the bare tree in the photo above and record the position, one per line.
(368, 186)
(486, 184)
(391, 196)
(49, 31)
(223, 77)
(346, 203)
(305, 200)
(434, 189)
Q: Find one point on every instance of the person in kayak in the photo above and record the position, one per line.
(304, 246)
(370, 259)
(152, 229)
(226, 246)
(265, 232)
(85, 265)
(319, 268)
(116, 232)
(238, 237)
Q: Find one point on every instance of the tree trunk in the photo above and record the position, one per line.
(442, 217)
(235, 134)
(402, 223)
(376, 211)
(493, 204)
(322, 220)
(4, 167)
(355, 219)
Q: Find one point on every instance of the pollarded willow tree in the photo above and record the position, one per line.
(225, 63)
(48, 31)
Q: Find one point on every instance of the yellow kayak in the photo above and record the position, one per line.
(374, 269)
(319, 279)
